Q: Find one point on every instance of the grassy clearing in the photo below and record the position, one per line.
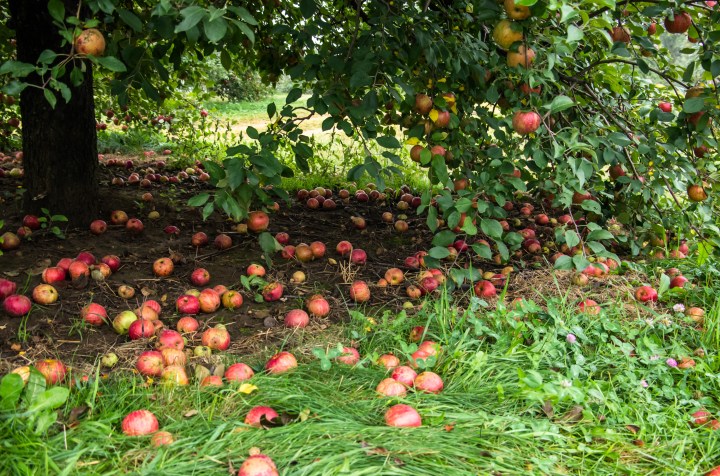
(249, 110)
(519, 398)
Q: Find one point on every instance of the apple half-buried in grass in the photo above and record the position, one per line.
(404, 416)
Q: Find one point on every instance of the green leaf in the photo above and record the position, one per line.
(271, 110)
(560, 103)
(439, 252)
(307, 8)
(597, 235)
(572, 238)
(57, 10)
(591, 206)
(693, 105)
(715, 69)
(491, 228)
(192, 15)
(50, 399)
(17, 69)
(199, 200)
(130, 19)
(483, 251)
(432, 219)
(293, 95)
(245, 30)
(440, 169)
(580, 262)
(664, 284)
(243, 14)
(47, 57)
(444, 238)
(215, 29)
(11, 387)
(112, 63)
(50, 97)
(574, 34)
(389, 142)
(564, 262)
(252, 133)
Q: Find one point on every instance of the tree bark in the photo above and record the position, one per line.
(59, 144)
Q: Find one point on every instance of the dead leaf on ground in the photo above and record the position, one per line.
(633, 429)
(190, 414)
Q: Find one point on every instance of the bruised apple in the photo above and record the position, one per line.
(281, 362)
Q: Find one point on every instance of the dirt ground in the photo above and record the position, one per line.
(58, 331)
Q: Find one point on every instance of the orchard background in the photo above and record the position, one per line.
(478, 175)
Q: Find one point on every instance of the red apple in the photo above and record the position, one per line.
(282, 238)
(94, 314)
(200, 277)
(187, 304)
(405, 375)
(665, 106)
(272, 292)
(350, 356)
(281, 362)
(7, 288)
(216, 338)
(161, 438)
(359, 291)
(258, 221)
(98, 227)
(429, 382)
(391, 388)
(485, 289)
(678, 282)
(358, 256)
(680, 23)
(209, 301)
(256, 413)
(645, 294)
(141, 328)
(53, 274)
(150, 363)
(526, 122)
(53, 370)
(163, 267)
(258, 465)
(169, 338)
(256, 270)
(389, 361)
(318, 306)
(199, 239)
(212, 381)
(588, 306)
(423, 104)
(140, 423)
(318, 249)
(238, 372)
(297, 318)
(222, 242)
(118, 217)
(288, 252)
(700, 417)
(134, 226)
(303, 253)
(17, 305)
(344, 248)
(231, 300)
(187, 324)
(401, 415)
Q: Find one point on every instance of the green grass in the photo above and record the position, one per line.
(511, 379)
(249, 110)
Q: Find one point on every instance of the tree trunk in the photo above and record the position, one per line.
(60, 144)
